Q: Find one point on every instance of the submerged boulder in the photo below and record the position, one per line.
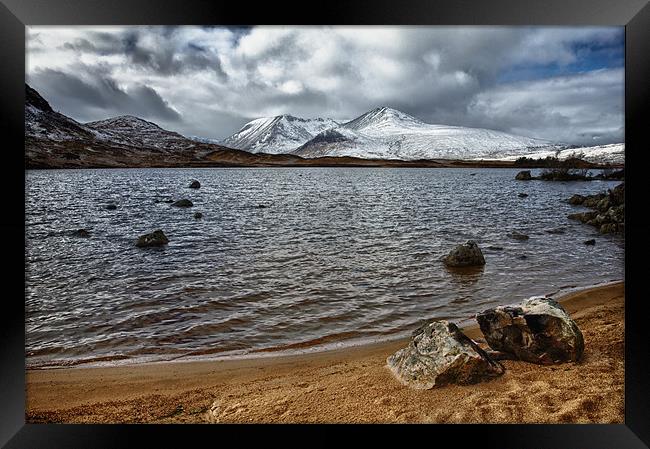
(518, 236)
(465, 255)
(156, 238)
(198, 215)
(524, 175)
(439, 354)
(183, 203)
(195, 184)
(538, 330)
(111, 206)
(522, 195)
(81, 233)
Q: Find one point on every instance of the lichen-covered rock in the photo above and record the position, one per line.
(465, 255)
(538, 330)
(183, 203)
(577, 199)
(592, 200)
(584, 217)
(156, 238)
(608, 228)
(439, 354)
(523, 175)
(195, 184)
(617, 195)
(603, 204)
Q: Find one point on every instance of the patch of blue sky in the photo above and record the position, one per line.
(588, 56)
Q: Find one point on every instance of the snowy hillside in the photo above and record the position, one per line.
(276, 135)
(42, 122)
(612, 153)
(134, 131)
(386, 133)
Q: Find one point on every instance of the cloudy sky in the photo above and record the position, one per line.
(563, 84)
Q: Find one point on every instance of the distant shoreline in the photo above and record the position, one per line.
(288, 161)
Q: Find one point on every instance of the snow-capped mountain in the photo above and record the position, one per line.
(601, 154)
(134, 131)
(277, 135)
(386, 133)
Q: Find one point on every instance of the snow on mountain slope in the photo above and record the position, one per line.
(613, 153)
(386, 133)
(42, 122)
(276, 135)
(134, 131)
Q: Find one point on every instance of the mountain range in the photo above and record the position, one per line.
(381, 137)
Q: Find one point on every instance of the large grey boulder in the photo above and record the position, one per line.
(538, 330)
(439, 354)
(466, 255)
(156, 238)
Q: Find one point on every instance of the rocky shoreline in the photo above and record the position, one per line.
(608, 214)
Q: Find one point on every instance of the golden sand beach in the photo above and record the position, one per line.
(350, 385)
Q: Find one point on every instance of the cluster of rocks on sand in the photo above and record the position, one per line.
(608, 215)
(538, 330)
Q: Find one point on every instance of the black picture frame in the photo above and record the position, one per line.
(15, 14)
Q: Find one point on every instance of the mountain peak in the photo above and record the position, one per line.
(123, 121)
(277, 134)
(382, 116)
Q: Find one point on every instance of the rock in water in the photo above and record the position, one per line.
(195, 184)
(81, 233)
(584, 217)
(198, 215)
(439, 354)
(538, 330)
(465, 255)
(522, 195)
(518, 236)
(156, 238)
(183, 203)
(590, 242)
(111, 206)
(577, 199)
(523, 176)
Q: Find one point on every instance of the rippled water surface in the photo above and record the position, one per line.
(337, 255)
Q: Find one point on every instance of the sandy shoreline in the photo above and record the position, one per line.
(348, 385)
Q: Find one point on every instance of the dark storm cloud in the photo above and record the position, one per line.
(91, 101)
(561, 83)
